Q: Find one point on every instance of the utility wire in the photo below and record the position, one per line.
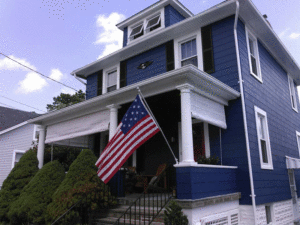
(8, 105)
(21, 103)
(37, 72)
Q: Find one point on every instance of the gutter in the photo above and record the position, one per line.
(244, 109)
(77, 78)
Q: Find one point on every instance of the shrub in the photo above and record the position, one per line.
(80, 183)
(213, 160)
(18, 178)
(174, 216)
(31, 206)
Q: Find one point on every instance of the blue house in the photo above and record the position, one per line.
(220, 83)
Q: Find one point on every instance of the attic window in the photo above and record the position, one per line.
(153, 23)
(137, 32)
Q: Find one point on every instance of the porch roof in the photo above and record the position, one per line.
(201, 82)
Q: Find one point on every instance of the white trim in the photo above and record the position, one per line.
(105, 74)
(260, 112)
(35, 129)
(298, 141)
(14, 156)
(177, 48)
(249, 35)
(292, 93)
(205, 166)
(14, 127)
(144, 22)
(272, 213)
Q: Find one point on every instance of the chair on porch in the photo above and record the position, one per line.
(143, 180)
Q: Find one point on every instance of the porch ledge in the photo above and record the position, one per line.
(204, 165)
(191, 204)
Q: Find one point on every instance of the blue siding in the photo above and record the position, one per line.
(125, 34)
(157, 55)
(91, 86)
(172, 16)
(203, 182)
(224, 52)
(273, 97)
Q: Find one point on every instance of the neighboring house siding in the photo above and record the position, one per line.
(157, 55)
(273, 97)
(224, 53)
(91, 86)
(125, 34)
(172, 16)
(18, 139)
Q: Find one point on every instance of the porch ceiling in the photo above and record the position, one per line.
(202, 83)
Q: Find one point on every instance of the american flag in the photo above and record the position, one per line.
(136, 127)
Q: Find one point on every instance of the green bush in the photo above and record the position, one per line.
(31, 206)
(174, 216)
(18, 178)
(80, 183)
(213, 160)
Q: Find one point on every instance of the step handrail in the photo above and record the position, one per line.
(138, 200)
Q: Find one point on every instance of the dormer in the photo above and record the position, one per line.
(152, 20)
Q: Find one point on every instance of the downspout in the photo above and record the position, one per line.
(243, 108)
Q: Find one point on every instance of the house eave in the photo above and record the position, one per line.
(13, 127)
(202, 83)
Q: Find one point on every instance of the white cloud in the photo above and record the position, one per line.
(109, 35)
(56, 74)
(67, 91)
(294, 35)
(8, 64)
(282, 34)
(32, 83)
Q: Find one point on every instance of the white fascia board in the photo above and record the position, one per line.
(154, 39)
(202, 82)
(267, 36)
(152, 9)
(13, 128)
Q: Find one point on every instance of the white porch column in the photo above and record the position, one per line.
(113, 119)
(186, 125)
(41, 146)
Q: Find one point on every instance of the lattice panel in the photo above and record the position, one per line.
(283, 212)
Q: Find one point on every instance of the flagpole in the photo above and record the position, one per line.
(144, 100)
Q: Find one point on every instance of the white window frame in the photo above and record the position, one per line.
(105, 74)
(14, 157)
(249, 35)
(36, 128)
(293, 93)
(259, 112)
(145, 23)
(298, 141)
(177, 48)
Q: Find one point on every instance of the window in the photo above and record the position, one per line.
(268, 209)
(207, 49)
(35, 132)
(111, 79)
(147, 25)
(253, 55)
(263, 139)
(17, 156)
(298, 140)
(293, 93)
(189, 53)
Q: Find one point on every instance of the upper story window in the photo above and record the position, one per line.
(111, 79)
(207, 49)
(293, 93)
(263, 139)
(298, 140)
(147, 25)
(189, 53)
(253, 55)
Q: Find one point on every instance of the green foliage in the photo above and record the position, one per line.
(31, 206)
(64, 100)
(213, 160)
(174, 215)
(64, 154)
(18, 178)
(80, 183)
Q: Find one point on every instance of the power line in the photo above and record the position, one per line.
(37, 71)
(8, 105)
(21, 103)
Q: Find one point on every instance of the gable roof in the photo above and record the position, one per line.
(11, 117)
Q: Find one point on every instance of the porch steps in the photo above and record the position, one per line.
(112, 215)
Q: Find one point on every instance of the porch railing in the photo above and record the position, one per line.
(83, 207)
(150, 203)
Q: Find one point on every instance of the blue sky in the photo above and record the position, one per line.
(56, 37)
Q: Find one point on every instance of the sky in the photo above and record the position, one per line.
(55, 37)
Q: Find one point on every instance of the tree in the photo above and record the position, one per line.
(18, 178)
(31, 206)
(64, 100)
